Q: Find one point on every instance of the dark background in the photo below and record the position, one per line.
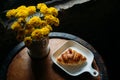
(97, 22)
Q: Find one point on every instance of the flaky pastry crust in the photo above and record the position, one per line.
(71, 57)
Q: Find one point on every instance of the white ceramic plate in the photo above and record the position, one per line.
(76, 70)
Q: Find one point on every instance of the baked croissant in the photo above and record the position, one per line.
(71, 57)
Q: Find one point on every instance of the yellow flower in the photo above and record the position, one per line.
(20, 20)
(11, 13)
(35, 21)
(52, 20)
(22, 13)
(53, 11)
(49, 27)
(36, 34)
(28, 40)
(43, 23)
(31, 9)
(56, 22)
(41, 5)
(45, 31)
(16, 26)
(43, 8)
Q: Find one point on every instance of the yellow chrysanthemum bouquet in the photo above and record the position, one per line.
(33, 22)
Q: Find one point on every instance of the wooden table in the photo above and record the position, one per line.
(19, 65)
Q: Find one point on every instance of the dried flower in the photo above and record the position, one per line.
(33, 22)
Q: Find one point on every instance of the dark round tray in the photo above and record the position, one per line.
(98, 58)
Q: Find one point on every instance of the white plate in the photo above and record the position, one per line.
(76, 70)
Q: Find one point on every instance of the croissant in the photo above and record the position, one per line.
(71, 57)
